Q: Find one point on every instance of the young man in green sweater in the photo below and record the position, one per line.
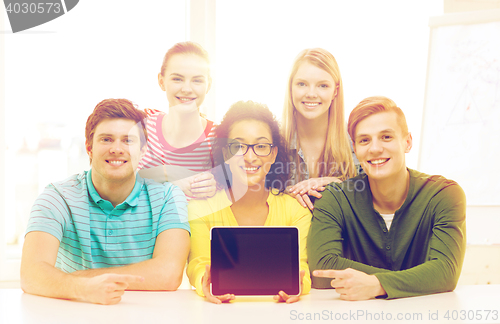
(391, 232)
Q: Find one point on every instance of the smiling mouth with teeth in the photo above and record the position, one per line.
(312, 104)
(185, 99)
(116, 162)
(378, 161)
(250, 169)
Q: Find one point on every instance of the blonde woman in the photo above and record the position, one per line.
(314, 127)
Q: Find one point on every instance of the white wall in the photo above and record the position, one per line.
(380, 46)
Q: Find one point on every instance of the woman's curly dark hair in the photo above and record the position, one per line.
(278, 174)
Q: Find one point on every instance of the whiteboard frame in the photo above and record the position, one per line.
(465, 18)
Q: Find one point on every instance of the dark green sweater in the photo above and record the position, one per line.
(423, 251)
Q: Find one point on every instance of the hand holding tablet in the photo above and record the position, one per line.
(206, 289)
(280, 297)
(284, 297)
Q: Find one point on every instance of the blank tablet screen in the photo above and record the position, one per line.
(255, 260)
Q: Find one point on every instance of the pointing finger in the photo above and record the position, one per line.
(326, 273)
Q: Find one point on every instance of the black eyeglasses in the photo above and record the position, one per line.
(260, 149)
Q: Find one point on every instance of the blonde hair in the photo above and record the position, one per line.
(337, 151)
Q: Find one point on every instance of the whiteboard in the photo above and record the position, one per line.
(461, 123)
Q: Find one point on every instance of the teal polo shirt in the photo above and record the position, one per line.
(94, 234)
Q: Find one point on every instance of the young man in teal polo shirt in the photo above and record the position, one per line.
(105, 230)
(391, 232)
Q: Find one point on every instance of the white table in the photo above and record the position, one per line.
(184, 306)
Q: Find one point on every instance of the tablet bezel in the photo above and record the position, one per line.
(293, 289)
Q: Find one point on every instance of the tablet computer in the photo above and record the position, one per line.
(254, 261)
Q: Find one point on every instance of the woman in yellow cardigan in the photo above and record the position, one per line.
(251, 172)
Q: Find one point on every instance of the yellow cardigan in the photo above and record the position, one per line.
(216, 211)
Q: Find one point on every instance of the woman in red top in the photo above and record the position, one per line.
(179, 143)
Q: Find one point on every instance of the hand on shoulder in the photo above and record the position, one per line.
(310, 187)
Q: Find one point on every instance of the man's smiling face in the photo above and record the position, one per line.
(115, 150)
(380, 145)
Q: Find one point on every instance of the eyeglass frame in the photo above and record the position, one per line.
(250, 146)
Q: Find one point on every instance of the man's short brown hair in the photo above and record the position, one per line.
(115, 108)
(373, 105)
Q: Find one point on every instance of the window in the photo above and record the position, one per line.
(380, 46)
(54, 76)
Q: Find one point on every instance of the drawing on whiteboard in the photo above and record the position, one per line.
(474, 61)
(465, 110)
